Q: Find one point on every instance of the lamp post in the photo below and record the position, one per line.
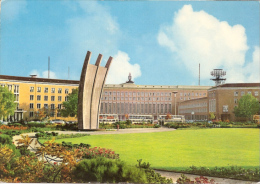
(175, 92)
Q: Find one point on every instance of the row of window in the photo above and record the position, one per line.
(135, 93)
(125, 108)
(47, 97)
(201, 104)
(243, 93)
(16, 87)
(52, 114)
(192, 94)
(138, 98)
(189, 111)
(46, 90)
(46, 106)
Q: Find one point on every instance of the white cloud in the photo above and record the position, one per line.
(43, 74)
(252, 69)
(120, 69)
(95, 30)
(198, 37)
(11, 9)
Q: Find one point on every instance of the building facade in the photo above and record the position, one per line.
(33, 93)
(195, 109)
(222, 99)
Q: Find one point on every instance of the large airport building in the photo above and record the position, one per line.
(141, 102)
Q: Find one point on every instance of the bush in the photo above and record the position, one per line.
(5, 139)
(151, 175)
(34, 124)
(128, 122)
(227, 172)
(156, 126)
(108, 171)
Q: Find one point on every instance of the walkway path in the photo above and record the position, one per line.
(166, 174)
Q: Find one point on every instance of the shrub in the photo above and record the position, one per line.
(34, 124)
(156, 126)
(5, 139)
(95, 152)
(151, 175)
(185, 180)
(128, 122)
(227, 172)
(108, 171)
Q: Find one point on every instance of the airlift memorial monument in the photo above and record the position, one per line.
(91, 85)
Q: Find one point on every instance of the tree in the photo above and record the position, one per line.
(247, 107)
(70, 107)
(211, 115)
(7, 104)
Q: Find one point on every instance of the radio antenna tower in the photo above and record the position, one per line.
(218, 74)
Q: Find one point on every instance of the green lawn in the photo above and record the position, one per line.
(179, 149)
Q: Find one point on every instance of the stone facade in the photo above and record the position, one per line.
(195, 109)
(222, 99)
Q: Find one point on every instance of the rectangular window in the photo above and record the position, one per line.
(52, 114)
(39, 89)
(31, 114)
(59, 98)
(58, 114)
(38, 97)
(242, 93)
(236, 93)
(45, 98)
(59, 90)
(16, 89)
(256, 93)
(31, 97)
(31, 105)
(66, 91)
(66, 98)
(10, 87)
(52, 90)
(52, 98)
(45, 106)
(31, 89)
(38, 106)
(16, 97)
(249, 92)
(46, 90)
(52, 106)
(235, 100)
(59, 106)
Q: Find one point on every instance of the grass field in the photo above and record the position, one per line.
(180, 149)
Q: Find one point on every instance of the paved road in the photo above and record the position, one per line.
(166, 174)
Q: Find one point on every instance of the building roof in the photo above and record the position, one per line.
(35, 79)
(124, 85)
(230, 85)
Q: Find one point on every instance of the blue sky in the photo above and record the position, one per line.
(160, 43)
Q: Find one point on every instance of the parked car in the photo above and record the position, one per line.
(57, 121)
(70, 122)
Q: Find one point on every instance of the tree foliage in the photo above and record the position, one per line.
(211, 115)
(7, 104)
(70, 107)
(247, 106)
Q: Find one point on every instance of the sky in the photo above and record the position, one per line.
(158, 42)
